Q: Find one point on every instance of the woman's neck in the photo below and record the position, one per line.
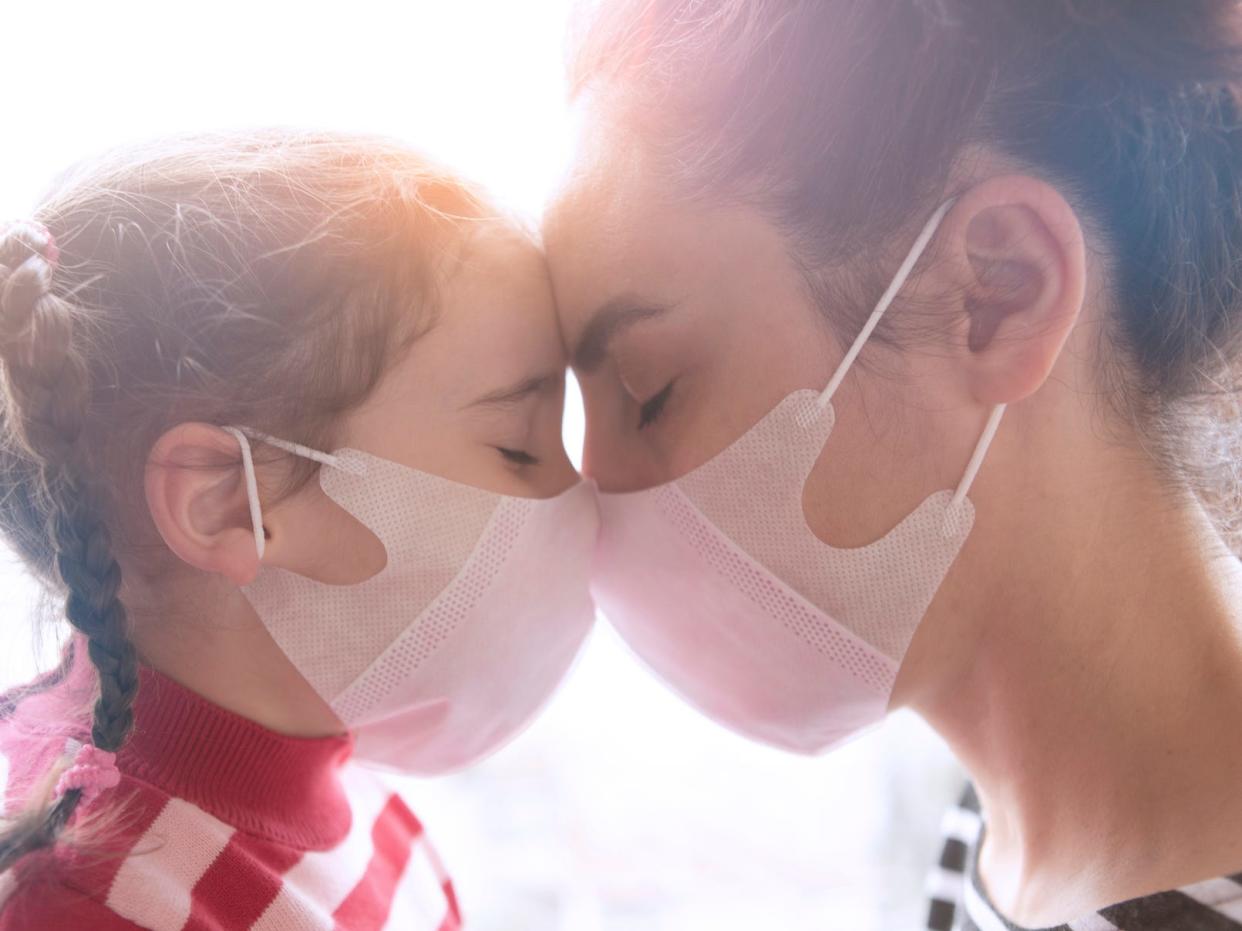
(1093, 694)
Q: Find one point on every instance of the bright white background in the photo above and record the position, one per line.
(620, 810)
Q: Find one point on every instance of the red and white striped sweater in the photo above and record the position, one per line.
(218, 823)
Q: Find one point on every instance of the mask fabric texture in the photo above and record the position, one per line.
(717, 583)
(449, 651)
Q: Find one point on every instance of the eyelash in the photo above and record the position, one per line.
(517, 456)
(651, 410)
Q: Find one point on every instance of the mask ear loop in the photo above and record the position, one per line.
(894, 288)
(252, 483)
(976, 460)
(252, 489)
(899, 282)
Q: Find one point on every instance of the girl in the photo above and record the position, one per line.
(282, 420)
(908, 331)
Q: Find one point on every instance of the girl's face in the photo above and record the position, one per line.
(478, 398)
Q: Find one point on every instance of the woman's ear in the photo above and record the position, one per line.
(196, 493)
(1017, 249)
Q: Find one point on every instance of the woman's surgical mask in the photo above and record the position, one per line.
(718, 584)
(454, 646)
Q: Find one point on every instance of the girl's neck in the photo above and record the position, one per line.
(1094, 695)
(226, 655)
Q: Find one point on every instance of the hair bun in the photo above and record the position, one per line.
(27, 262)
(45, 382)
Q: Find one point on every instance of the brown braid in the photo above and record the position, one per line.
(46, 396)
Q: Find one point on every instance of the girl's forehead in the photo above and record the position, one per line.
(495, 323)
(495, 240)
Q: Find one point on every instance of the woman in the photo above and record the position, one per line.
(906, 333)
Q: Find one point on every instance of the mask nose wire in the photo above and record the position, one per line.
(252, 483)
(886, 301)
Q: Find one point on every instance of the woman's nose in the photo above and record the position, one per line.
(617, 463)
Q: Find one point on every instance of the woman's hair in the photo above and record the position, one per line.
(267, 279)
(845, 119)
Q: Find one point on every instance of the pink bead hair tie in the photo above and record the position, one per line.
(51, 252)
(93, 771)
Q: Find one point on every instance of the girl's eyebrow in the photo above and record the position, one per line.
(518, 392)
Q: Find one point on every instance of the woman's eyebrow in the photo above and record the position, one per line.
(612, 318)
(515, 393)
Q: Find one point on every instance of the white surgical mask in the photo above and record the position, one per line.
(718, 584)
(454, 646)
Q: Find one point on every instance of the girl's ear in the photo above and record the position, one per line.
(1016, 249)
(196, 493)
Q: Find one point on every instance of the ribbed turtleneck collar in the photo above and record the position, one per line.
(287, 789)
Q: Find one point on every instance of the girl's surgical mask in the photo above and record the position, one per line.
(453, 647)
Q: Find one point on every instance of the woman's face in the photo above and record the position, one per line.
(687, 324)
(658, 305)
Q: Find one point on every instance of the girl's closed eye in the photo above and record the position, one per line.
(511, 417)
(518, 457)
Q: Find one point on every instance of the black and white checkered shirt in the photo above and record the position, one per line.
(959, 903)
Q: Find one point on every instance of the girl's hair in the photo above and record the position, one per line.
(844, 119)
(266, 279)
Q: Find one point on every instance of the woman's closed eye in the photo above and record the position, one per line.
(652, 410)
